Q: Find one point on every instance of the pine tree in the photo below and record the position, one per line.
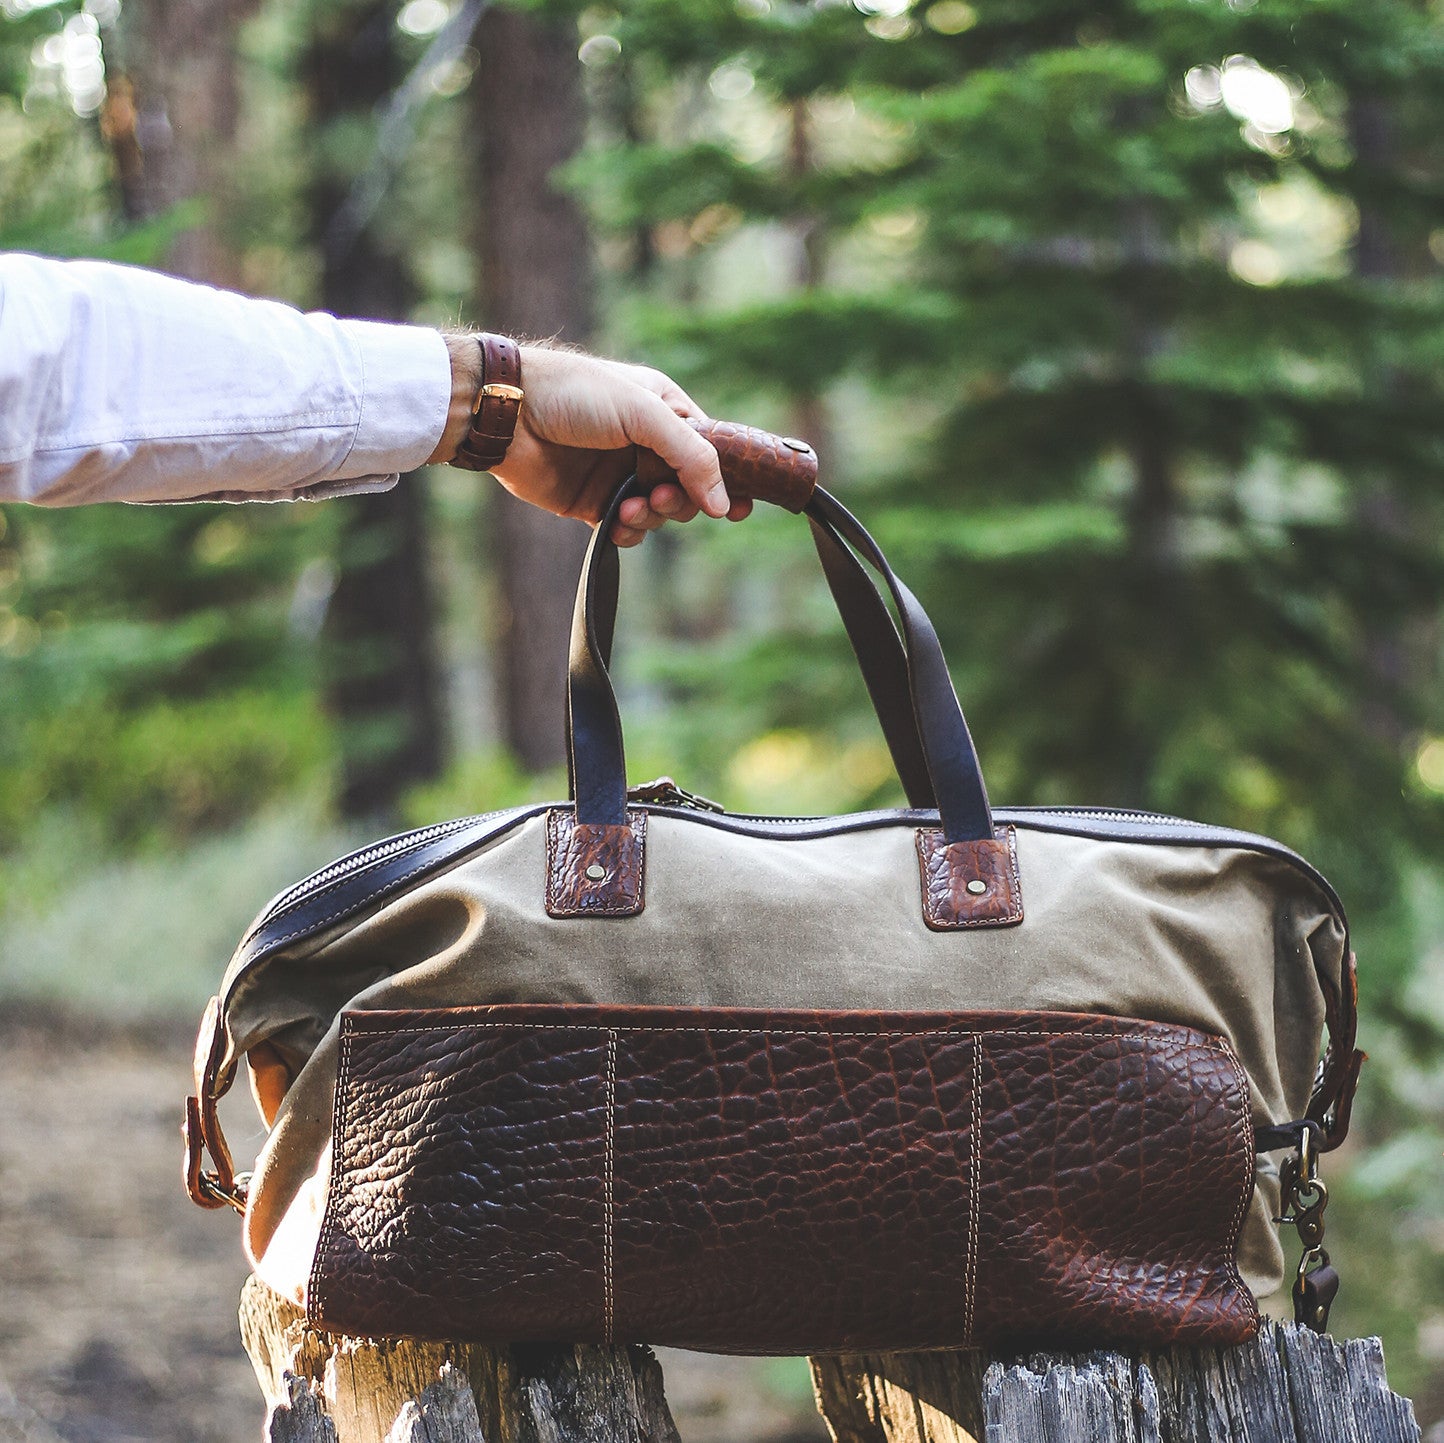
(1162, 457)
(152, 661)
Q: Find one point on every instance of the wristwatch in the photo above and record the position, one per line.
(496, 408)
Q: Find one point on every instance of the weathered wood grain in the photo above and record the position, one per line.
(901, 1397)
(1288, 1386)
(444, 1413)
(377, 1391)
(297, 1416)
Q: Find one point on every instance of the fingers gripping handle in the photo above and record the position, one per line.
(758, 466)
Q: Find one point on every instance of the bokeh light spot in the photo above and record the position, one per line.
(732, 82)
(423, 17)
(1256, 262)
(599, 50)
(951, 17)
(1429, 764)
(1256, 96)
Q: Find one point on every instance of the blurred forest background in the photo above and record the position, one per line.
(1121, 325)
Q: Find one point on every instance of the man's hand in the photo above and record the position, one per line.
(586, 424)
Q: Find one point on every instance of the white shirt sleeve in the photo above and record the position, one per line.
(118, 384)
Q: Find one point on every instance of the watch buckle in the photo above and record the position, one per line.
(500, 391)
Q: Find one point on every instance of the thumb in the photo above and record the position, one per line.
(649, 422)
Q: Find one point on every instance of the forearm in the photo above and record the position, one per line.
(464, 357)
(118, 384)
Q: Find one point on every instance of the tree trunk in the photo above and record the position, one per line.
(1155, 565)
(1376, 258)
(172, 120)
(809, 233)
(535, 281)
(382, 675)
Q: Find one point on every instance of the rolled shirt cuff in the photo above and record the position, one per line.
(405, 396)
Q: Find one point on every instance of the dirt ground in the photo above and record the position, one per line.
(118, 1296)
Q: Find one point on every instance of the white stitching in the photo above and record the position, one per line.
(326, 921)
(1250, 1187)
(351, 1030)
(608, 1194)
(975, 1162)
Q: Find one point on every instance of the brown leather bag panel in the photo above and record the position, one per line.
(1159, 1127)
(764, 1176)
(784, 1182)
(468, 1185)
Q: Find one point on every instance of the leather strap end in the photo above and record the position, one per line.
(970, 884)
(1336, 1117)
(202, 1126)
(1314, 1295)
(191, 1171)
(1333, 1100)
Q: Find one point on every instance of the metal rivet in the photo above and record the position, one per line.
(977, 887)
(793, 444)
(596, 872)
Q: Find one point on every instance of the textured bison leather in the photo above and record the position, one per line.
(757, 465)
(618, 851)
(784, 1182)
(948, 867)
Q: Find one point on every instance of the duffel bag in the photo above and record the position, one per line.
(629, 1067)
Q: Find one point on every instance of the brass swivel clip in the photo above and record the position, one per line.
(664, 792)
(1305, 1197)
(233, 1196)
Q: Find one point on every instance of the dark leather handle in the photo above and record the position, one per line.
(875, 644)
(758, 466)
(594, 732)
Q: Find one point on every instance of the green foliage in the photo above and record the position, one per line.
(484, 781)
(1158, 500)
(1124, 327)
(154, 667)
(165, 771)
(133, 937)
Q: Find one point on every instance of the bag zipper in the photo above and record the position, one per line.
(665, 793)
(355, 862)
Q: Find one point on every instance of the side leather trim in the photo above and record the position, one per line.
(201, 1127)
(970, 884)
(595, 869)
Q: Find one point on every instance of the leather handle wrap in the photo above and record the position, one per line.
(758, 466)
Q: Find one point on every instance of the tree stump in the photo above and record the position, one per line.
(325, 1389)
(1288, 1386)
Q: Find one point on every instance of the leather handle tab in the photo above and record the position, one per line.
(758, 466)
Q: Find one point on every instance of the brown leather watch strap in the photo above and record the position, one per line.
(496, 409)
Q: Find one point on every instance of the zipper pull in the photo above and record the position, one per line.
(664, 792)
